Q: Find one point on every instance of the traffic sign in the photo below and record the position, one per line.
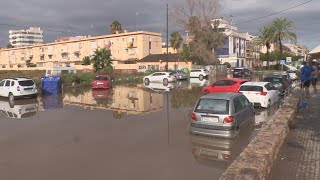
(282, 61)
(288, 59)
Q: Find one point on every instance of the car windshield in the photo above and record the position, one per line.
(101, 78)
(171, 74)
(251, 88)
(26, 83)
(213, 106)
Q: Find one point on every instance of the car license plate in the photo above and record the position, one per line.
(209, 153)
(210, 119)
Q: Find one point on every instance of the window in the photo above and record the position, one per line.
(251, 88)
(237, 104)
(77, 54)
(269, 87)
(7, 83)
(245, 102)
(50, 56)
(12, 83)
(64, 55)
(26, 83)
(2, 82)
(213, 106)
(224, 83)
(42, 57)
(102, 78)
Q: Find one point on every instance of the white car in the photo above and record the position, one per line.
(162, 77)
(292, 75)
(17, 87)
(157, 87)
(260, 93)
(199, 73)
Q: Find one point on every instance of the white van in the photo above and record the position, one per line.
(58, 71)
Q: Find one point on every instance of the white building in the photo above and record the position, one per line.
(295, 49)
(234, 49)
(31, 36)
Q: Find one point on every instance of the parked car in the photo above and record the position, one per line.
(292, 75)
(241, 73)
(224, 85)
(199, 73)
(280, 82)
(163, 77)
(58, 71)
(180, 75)
(101, 82)
(260, 93)
(18, 87)
(196, 82)
(222, 115)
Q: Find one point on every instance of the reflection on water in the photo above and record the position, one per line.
(264, 115)
(21, 108)
(219, 152)
(52, 101)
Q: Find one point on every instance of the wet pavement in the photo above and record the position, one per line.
(128, 132)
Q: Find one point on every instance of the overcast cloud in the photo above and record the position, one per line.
(83, 17)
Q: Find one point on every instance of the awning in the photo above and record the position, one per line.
(315, 50)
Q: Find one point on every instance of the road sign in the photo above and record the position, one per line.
(282, 61)
(288, 59)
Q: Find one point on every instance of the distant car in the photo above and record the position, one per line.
(180, 75)
(241, 73)
(280, 82)
(199, 73)
(162, 77)
(260, 93)
(222, 115)
(224, 85)
(101, 82)
(18, 87)
(196, 82)
(292, 75)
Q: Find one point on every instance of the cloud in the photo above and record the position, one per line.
(82, 17)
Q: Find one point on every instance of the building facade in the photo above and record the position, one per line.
(125, 47)
(26, 37)
(234, 48)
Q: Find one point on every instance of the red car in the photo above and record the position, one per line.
(101, 82)
(224, 85)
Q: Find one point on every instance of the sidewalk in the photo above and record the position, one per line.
(299, 158)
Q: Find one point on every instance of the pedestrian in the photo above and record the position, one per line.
(315, 74)
(305, 77)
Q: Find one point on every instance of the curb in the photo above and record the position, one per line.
(256, 161)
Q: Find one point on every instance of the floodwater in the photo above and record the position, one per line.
(128, 132)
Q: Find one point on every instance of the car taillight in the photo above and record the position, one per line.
(263, 93)
(228, 119)
(194, 116)
(226, 156)
(18, 88)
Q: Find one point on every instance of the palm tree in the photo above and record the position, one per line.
(101, 59)
(86, 60)
(115, 26)
(282, 32)
(265, 39)
(175, 40)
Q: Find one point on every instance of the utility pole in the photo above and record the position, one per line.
(167, 57)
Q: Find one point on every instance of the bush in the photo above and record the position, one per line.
(228, 64)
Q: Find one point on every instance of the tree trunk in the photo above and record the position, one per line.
(268, 59)
(281, 49)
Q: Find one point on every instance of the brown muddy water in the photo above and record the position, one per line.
(128, 132)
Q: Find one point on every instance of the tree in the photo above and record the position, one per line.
(101, 60)
(86, 60)
(185, 53)
(9, 46)
(196, 16)
(115, 26)
(282, 32)
(265, 39)
(175, 40)
(228, 64)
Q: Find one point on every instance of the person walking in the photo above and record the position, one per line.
(305, 77)
(314, 78)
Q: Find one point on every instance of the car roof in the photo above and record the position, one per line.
(18, 79)
(226, 95)
(235, 79)
(255, 83)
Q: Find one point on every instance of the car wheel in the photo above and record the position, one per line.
(269, 104)
(165, 81)
(206, 92)
(201, 77)
(146, 81)
(11, 97)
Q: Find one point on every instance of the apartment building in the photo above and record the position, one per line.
(125, 48)
(234, 48)
(26, 37)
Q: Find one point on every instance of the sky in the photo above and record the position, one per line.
(62, 18)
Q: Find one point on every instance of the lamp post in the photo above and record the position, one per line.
(167, 56)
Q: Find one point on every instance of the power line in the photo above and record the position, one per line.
(272, 14)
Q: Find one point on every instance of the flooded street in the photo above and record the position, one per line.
(127, 132)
